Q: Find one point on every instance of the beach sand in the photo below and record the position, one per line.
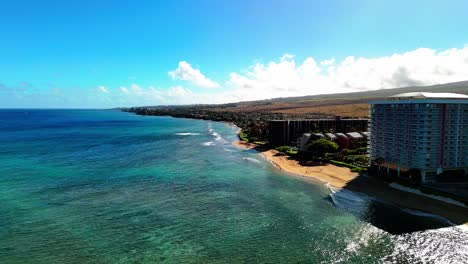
(343, 178)
(337, 177)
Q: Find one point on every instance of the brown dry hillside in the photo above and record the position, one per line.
(341, 107)
(348, 110)
(345, 105)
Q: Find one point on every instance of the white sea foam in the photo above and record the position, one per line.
(332, 192)
(365, 236)
(346, 196)
(210, 128)
(418, 192)
(463, 227)
(443, 245)
(362, 237)
(215, 134)
(252, 160)
(187, 134)
(331, 188)
(220, 139)
(209, 143)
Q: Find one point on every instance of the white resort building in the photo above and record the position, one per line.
(426, 132)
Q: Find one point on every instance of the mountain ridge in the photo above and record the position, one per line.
(355, 104)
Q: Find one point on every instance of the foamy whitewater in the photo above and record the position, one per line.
(89, 186)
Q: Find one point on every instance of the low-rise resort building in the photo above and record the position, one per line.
(286, 132)
(420, 136)
(345, 141)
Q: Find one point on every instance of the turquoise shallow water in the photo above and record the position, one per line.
(89, 186)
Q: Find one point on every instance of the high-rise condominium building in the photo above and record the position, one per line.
(426, 132)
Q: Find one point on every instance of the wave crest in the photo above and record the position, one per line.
(187, 134)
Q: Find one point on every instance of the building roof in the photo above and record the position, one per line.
(424, 95)
(366, 134)
(340, 135)
(354, 135)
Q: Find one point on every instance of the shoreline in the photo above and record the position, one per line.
(372, 187)
(342, 178)
(338, 177)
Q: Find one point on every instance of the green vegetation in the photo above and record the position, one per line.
(321, 147)
(360, 160)
(283, 149)
(362, 150)
(287, 150)
(353, 168)
(243, 136)
(326, 150)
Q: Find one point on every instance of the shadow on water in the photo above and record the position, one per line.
(396, 211)
(389, 209)
(392, 219)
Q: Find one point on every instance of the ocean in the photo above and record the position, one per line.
(104, 186)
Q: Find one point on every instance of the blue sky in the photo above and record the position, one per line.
(99, 54)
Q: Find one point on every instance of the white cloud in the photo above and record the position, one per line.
(327, 62)
(187, 73)
(288, 77)
(136, 89)
(103, 89)
(139, 95)
(124, 90)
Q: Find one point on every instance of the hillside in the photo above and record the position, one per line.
(252, 117)
(342, 104)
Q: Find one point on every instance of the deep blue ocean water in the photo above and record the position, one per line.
(104, 186)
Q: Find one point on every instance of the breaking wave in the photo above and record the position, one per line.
(187, 134)
(216, 135)
(252, 160)
(356, 203)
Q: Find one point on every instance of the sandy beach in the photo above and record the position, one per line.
(343, 178)
(337, 177)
